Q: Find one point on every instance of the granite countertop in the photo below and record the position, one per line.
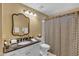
(10, 49)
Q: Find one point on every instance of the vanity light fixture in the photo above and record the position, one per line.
(28, 12)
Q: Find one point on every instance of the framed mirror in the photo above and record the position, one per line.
(20, 24)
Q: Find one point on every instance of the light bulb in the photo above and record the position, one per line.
(26, 12)
(35, 14)
(31, 13)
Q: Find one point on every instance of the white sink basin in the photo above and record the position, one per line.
(24, 43)
(34, 40)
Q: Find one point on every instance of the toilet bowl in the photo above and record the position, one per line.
(44, 49)
(43, 46)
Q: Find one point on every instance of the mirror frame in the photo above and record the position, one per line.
(13, 24)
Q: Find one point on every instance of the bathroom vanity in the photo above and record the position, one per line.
(31, 49)
(23, 47)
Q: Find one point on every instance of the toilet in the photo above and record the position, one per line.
(43, 46)
(44, 49)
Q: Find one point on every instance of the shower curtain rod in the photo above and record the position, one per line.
(72, 11)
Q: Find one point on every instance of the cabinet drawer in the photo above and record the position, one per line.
(19, 52)
(26, 51)
(35, 51)
(23, 51)
(10, 53)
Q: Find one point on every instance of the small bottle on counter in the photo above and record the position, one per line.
(6, 46)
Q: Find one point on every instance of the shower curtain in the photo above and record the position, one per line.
(77, 33)
(62, 34)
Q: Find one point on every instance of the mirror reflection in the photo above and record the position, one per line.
(20, 24)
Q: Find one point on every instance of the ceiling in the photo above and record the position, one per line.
(52, 8)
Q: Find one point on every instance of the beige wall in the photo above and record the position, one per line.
(8, 10)
(1, 50)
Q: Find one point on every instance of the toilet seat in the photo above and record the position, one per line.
(45, 45)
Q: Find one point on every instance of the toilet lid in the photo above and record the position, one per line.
(45, 45)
